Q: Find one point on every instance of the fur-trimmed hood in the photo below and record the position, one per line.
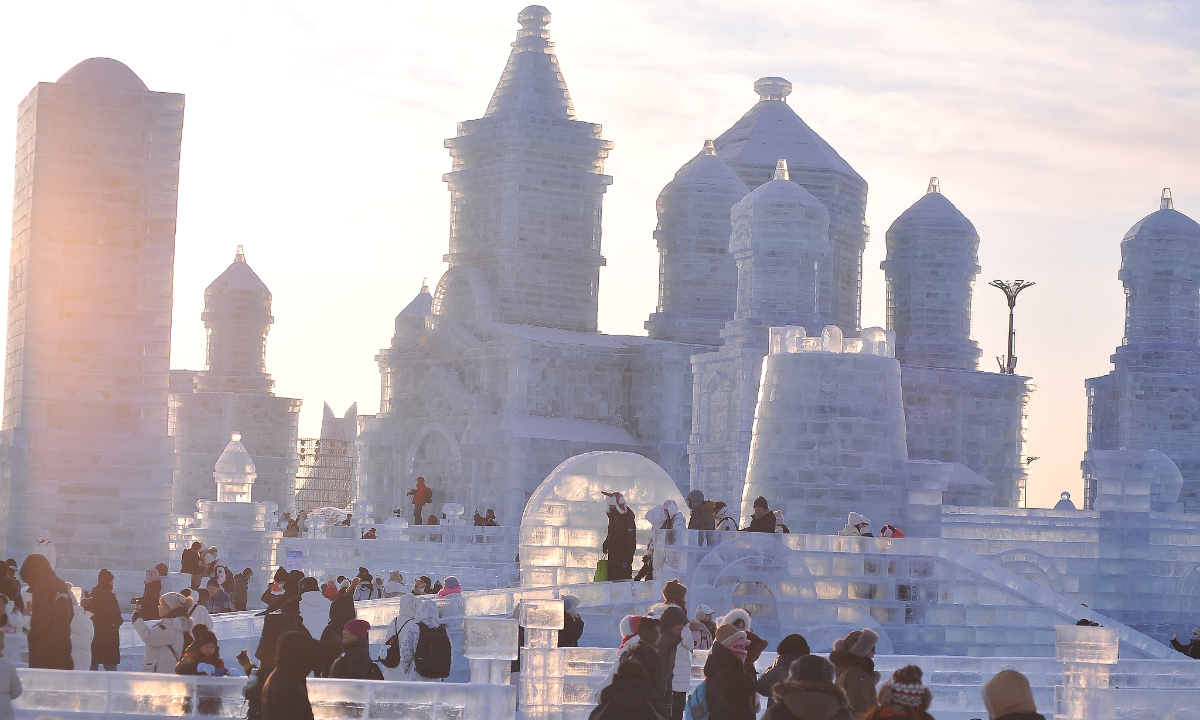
(810, 700)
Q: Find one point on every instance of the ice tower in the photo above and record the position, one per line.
(954, 413)
(499, 375)
(780, 242)
(772, 130)
(526, 189)
(697, 286)
(233, 393)
(1151, 399)
(86, 452)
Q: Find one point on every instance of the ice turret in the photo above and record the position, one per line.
(412, 317)
(697, 290)
(526, 190)
(932, 261)
(234, 472)
(237, 314)
(772, 130)
(781, 244)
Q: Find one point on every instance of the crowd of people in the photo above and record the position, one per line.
(651, 679)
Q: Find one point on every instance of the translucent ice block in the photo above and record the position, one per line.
(1082, 644)
(542, 614)
(490, 638)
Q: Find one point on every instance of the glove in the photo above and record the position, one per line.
(137, 615)
(206, 669)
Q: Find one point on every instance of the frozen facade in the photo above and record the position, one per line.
(953, 412)
(499, 375)
(86, 451)
(233, 394)
(1151, 399)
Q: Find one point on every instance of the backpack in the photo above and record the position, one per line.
(434, 654)
(697, 703)
(376, 673)
(391, 658)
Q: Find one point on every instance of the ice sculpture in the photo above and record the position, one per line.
(953, 413)
(1131, 480)
(697, 289)
(1151, 399)
(235, 472)
(89, 310)
(772, 130)
(565, 521)
(781, 244)
(234, 392)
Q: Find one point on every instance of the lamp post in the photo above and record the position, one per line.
(1008, 365)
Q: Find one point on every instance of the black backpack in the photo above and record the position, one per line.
(392, 658)
(434, 654)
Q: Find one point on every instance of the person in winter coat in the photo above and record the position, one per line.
(355, 660)
(427, 615)
(621, 540)
(693, 500)
(903, 697)
(856, 525)
(10, 684)
(397, 634)
(853, 659)
(730, 686)
(1007, 696)
(314, 607)
(790, 649)
(643, 649)
(10, 587)
(198, 614)
(239, 589)
(421, 496)
(675, 660)
(50, 612)
(285, 692)
(726, 522)
(202, 657)
(215, 599)
(572, 623)
(891, 531)
(807, 692)
(395, 585)
(189, 563)
(629, 697)
(82, 634)
(148, 603)
(1192, 649)
(341, 611)
(330, 591)
(106, 621)
(365, 590)
(164, 639)
(703, 628)
(740, 619)
(763, 520)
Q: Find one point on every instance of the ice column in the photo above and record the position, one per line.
(490, 644)
(542, 666)
(1087, 655)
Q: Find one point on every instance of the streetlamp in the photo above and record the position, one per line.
(1008, 365)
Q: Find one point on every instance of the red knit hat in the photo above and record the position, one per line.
(358, 628)
(905, 688)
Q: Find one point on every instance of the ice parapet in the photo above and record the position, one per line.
(1131, 480)
(565, 520)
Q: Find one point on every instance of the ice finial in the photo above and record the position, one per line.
(240, 256)
(781, 171)
(772, 88)
(235, 436)
(1166, 203)
(534, 16)
(934, 186)
(709, 148)
(424, 285)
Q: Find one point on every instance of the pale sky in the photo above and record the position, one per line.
(313, 136)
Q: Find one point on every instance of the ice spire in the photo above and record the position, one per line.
(934, 186)
(708, 148)
(239, 256)
(1166, 203)
(781, 171)
(532, 81)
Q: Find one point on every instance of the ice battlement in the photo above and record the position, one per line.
(793, 339)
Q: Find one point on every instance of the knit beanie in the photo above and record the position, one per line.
(173, 600)
(728, 633)
(811, 668)
(309, 584)
(629, 625)
(1006, 693)
(358, 628)
(451, 582)
(674, 590)
(761, 502)
(905, 688)
(105, 578)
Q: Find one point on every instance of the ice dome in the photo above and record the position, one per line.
(104, 72)
(412, 317)
(238, 277)
(565, 521)
(1160, 268)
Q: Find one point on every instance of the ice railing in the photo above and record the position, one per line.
(791, 339)
(147, 694)
(897, 582)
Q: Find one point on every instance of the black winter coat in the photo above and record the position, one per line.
(730, 687)
(189, 562)
(285, 693)
(1192, 649)
(629, 698)
(106, 620)
(148, 608)
(647, 657)
(572, 630)
(53, 608)
(341, 611)
(764, 524)
(778, 672)
(620, 544)
(355, 662)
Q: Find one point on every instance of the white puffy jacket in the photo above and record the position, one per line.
(82, 632)
(164, 642)
(314, 611)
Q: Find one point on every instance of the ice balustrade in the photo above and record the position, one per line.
(107, 694)
(924, 595)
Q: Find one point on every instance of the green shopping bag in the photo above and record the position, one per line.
(601, 571)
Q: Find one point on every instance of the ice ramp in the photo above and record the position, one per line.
(925, 596)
